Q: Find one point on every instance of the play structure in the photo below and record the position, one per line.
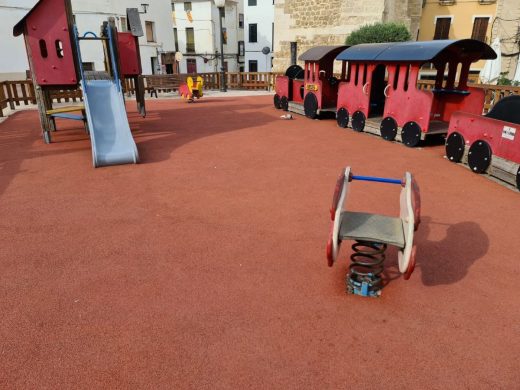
(377, 89)
(312, 90)
(54, 53)
(488, 144)
(372, 233)
(191, 90)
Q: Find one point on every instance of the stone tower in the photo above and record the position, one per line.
(309, 23)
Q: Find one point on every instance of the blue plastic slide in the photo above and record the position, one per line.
(111, 138)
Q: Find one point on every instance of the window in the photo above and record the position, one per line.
(88, 66)
(150, 36)
(187, 6)
(251, 2)
(253, 65)
(294, 52)
(43, 48)
(173, 6)
(191, 65)
(241, 48)
(190, 40)
(124, 25)
(253, 33)
(442, 28)
(480, 27)
(176, 39)
(154, 61)
(224, 35)
(240, 20)
(59, 48)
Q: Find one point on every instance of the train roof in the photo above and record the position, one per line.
(421, 51)
(317, 53)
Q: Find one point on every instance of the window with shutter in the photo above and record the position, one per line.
(442, 28)
(480, 27)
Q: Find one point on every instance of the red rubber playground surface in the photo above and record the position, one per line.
(204, 266)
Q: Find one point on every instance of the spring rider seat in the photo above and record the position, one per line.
(191, 89)
(372, 234)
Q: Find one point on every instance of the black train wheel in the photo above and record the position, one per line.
(479, 156)
(277, 102)
(388, 128)
(455, 147)
(518, 179)
(310, 105)
(342, 117)
(284, 103)
(358, 121)
(411, 134)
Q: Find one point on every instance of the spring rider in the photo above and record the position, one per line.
(191, 89)
(372, 234)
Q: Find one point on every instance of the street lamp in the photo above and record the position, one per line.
(220, 5)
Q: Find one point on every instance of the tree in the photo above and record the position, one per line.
(378, 33)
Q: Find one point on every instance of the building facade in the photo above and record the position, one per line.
(506, 26)
(484, 20)
(259, 30)
(89, 16)
(452, 19)
(196, 32)
(301, 24)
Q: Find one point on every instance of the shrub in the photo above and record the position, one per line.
(378, 33)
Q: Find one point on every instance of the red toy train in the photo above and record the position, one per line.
(377, 92)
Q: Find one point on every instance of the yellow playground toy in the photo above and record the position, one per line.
(191, 90)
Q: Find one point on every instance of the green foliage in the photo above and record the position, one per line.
(378, 33)
(503, 80)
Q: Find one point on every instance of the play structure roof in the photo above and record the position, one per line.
(416, 51)
(18, 28)
(317, 53)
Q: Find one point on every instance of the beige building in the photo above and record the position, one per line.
(478, 19)
(458, 19)
(301, 24)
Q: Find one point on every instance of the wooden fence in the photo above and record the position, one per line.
(14, 93)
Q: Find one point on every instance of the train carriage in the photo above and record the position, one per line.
(380, 86)
(312, 89)
(488, 144)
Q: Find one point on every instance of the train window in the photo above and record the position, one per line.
(459, 74)
(396, 76)
(307, 71)
(445, 71)
(407, 76)
(365, 70)
(43, 48)
(349, 71)
(314, 71)
(356, 76)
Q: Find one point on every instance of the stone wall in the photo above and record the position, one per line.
(329, 22)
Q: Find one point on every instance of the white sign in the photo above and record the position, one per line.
(509, 133)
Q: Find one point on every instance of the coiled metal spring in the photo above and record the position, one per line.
(366, 268)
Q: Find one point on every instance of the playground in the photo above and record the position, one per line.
(204, 266)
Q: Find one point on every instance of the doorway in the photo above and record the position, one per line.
(377, 91)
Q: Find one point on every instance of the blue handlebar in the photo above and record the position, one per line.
(89, 33)
(377, 179)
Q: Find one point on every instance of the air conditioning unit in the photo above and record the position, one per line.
(484, 2)
(447, 2)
